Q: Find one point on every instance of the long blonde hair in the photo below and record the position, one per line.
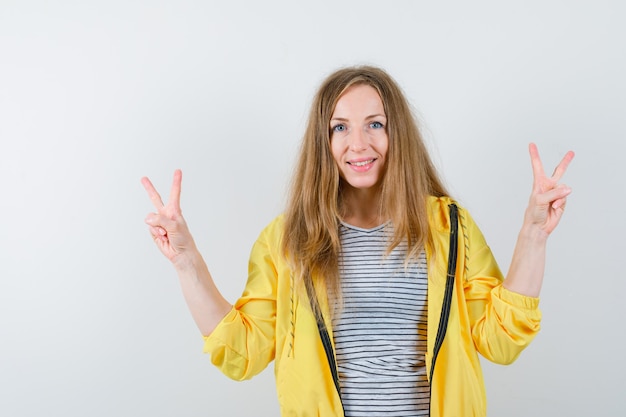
(311, 234)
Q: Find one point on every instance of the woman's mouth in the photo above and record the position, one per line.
(361, 163)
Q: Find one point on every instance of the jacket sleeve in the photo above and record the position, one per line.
(502, 322)
(242, 344)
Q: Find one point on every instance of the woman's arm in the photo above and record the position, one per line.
(171, 235)
(544, 211)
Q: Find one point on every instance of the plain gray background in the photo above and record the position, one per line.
(96, 94)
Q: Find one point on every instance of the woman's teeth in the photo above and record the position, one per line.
(362, 163)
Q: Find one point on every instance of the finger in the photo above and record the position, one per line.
(559, 204)
(157, 220)
(158, 233)
(562, 166)
(554, 195)
(175, 190)
(558, 214)
(158, 230)
(152, 193)
(535, 160)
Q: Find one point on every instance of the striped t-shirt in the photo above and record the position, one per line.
(380, 333)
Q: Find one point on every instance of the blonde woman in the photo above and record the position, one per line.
(374, 292)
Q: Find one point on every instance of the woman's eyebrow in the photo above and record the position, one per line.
(342, 119)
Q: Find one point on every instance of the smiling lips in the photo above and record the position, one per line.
(362, 165)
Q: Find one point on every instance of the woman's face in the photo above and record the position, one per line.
(358, 138)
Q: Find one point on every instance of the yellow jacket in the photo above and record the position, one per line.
(273, 321)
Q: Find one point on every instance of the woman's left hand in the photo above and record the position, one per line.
(548, 197)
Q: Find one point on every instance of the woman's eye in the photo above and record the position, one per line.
(339, 128)
(376, 125)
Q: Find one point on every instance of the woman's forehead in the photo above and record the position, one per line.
(360, 98)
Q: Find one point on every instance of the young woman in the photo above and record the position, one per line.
(374, 292)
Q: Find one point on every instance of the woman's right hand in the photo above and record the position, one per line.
(170, 233)
(167, 226)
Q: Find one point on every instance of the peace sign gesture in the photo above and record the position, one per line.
(548, 197)
(167, 226)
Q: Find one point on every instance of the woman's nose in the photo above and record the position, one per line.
(358, 140)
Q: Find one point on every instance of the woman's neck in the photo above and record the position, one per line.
(362, 208)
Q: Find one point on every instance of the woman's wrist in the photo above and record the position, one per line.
(189, 260)
(533, 234)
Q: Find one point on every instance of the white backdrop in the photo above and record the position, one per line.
(96, 94)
